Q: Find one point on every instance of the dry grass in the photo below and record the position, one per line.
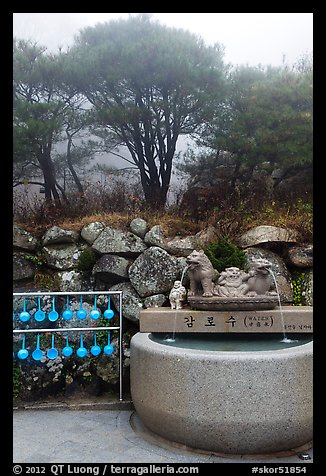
(228, 225)
(231, 216)
(172, 225)
(297, 216)
(118, 220)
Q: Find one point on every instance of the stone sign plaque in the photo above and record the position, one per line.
(291, 319)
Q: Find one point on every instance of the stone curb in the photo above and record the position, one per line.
(117, 405)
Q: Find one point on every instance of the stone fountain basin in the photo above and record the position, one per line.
(234, 402)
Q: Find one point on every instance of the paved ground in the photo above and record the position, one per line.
(105, 435)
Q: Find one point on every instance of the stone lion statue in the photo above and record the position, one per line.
(234, 282)
(201, 274)
(260, 280)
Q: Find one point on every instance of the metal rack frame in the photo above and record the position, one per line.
(70, 329)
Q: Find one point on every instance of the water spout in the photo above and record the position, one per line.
(183, 273)
(285, 339)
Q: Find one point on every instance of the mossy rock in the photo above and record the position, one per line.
(86, 260)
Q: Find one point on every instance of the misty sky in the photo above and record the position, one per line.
(249, 38)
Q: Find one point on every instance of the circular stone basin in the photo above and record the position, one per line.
(232, 400)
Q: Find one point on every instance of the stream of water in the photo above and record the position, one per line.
(285, 339)
(169, 338)
(183, 273)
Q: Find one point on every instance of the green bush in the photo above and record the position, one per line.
(297, 282)
(16, 380)
(224, 254)
(102, 336)
(86, 260)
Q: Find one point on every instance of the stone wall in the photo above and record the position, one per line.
(143, 263)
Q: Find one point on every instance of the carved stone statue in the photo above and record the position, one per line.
(232, 289)
(234, 282)
(260, 280)
(231, 283)
(177, 295)
(201, 274)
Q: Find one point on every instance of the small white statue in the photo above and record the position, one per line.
(177, 294)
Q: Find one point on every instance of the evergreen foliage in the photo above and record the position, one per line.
(139, 84)
(148, 85)
(265, 125)
(87, 259)
(224, 254)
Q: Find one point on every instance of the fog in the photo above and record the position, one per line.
(248, 38)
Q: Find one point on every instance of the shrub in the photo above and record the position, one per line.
(224, 254)
(297, 282)
(16, 380)
(87, 260)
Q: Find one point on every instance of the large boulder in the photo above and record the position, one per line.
(157, 300)
(131, 304)
(62, 256)
(91, 231)
(139, 227)
(267, 234)
(23, 266)
(113, 241)
(57, 235)
(206, 236)
(301, 256)
(308, 288)
(154, 272)
(155, 237)
(181, 246)
(73, 281)
(23, 239)
(111, 268)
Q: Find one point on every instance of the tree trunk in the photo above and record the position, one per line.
(51, 191)
(71, 167)
(155, 196)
